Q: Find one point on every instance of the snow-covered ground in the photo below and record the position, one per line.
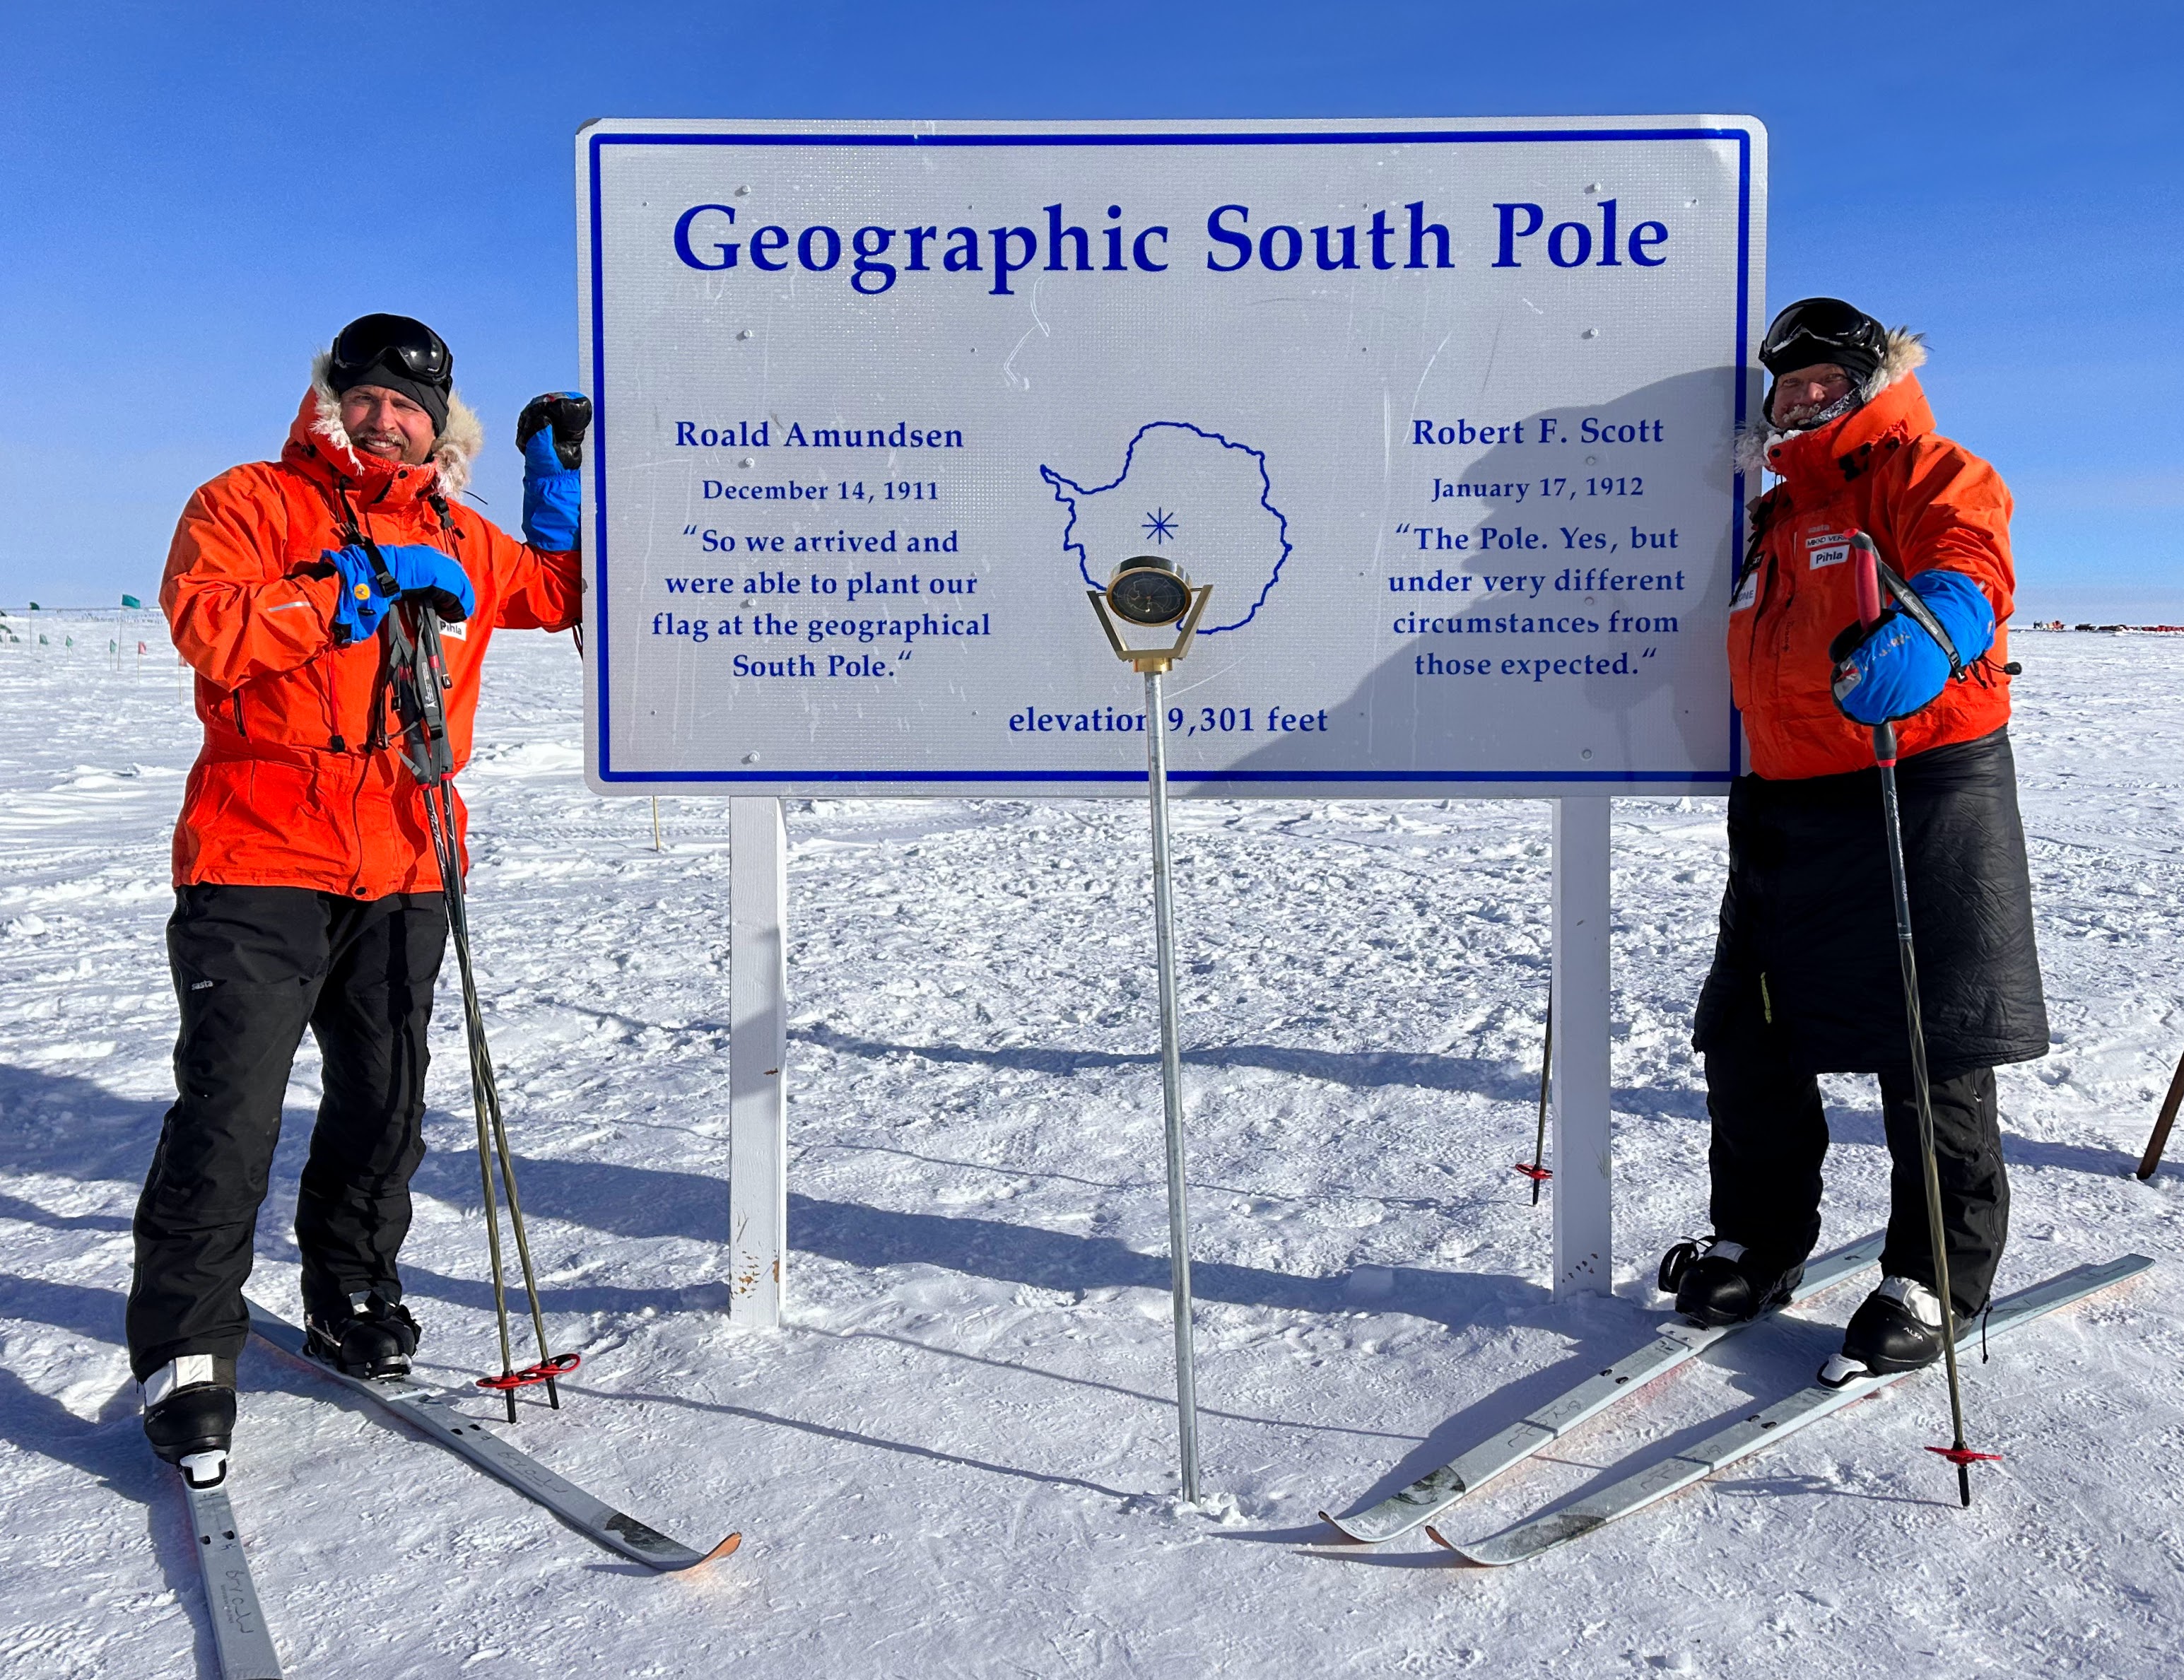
(958, 1459)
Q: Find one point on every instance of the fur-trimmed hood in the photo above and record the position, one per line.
(1905, 355)
(457, 446)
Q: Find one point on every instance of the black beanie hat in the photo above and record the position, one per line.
(397, 353)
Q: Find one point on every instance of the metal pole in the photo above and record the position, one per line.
(1538, 1174)
(1178, 1212)
(418, 669)
(1868, 583)
(450, 867)
(1885, 743)
(2159, 1141)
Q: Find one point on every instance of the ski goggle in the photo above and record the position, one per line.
(1817, 328)
(370, 340)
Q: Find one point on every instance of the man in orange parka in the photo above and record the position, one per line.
(306, 889)
(1805, 978)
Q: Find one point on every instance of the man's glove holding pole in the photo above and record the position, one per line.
(550, 433)
(415, 570)
(1895, 665)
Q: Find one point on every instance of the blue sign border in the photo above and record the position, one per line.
(602, 642)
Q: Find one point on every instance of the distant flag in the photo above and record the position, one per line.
(141, 649)
(34, 606)
(131, 601)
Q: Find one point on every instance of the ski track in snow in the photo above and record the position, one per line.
(959, 1457)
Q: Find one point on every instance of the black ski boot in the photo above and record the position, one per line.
(1723, 1282)
(189, 1416)
(370, 1337)
(1898, 1327)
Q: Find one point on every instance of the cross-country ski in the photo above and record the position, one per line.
(243, 1643)
(437, 1413)
(1435, 1492)
(1762, 1430)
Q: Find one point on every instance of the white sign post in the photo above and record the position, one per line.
(758, 1058)
(1442, 410)
(1583, 1222)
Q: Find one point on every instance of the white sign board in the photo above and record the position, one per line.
(1442, 410)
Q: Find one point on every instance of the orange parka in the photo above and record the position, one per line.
(296, 784)
(1927, 502)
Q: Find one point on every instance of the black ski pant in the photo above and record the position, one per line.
(1770, 1136)
(253, 967)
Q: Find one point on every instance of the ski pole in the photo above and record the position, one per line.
(493, 1133)
(2159, 1140)
(1538, 1171)
(1884, 759)
(417, 666)
(485, 1088)
(494, 1264)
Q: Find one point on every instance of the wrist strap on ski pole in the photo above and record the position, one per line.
(1908, 601)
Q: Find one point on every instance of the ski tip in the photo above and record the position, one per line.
(690, 1560)
(1481, 1555)
(1340, 1532)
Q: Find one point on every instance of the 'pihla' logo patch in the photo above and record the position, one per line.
(1829, 548)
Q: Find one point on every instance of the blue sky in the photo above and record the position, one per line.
(194, 199)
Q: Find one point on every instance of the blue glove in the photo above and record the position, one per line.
(362, 605)
(1896, 668)
(553, 495)
(422, 573)
(419, 571)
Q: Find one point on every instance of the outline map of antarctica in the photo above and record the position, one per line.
(1208, 496)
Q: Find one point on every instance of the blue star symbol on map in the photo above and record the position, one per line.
(1241, 540)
